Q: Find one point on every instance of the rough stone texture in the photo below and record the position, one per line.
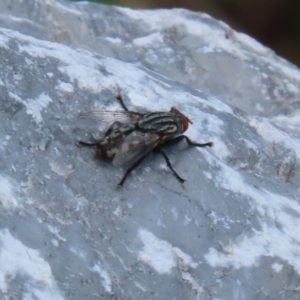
(67, 232)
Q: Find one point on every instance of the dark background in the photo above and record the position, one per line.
(275, 23)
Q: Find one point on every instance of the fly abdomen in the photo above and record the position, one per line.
(108, 147)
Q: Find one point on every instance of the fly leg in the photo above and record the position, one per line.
(120, 99)
(99, 152)
(191, 143)
(169, 164)
(175, 140)
(81, 143)
(128, 171)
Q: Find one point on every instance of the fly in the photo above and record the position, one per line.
(131, 136)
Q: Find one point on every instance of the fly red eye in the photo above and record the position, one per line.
(185, 122)
(184, 119)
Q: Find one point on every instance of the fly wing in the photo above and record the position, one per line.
(109, 116)
(135, 146)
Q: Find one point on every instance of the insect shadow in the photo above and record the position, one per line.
(131, 135)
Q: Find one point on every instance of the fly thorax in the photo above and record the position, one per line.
(158, 122)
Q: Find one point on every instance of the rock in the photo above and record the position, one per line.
(68, 232)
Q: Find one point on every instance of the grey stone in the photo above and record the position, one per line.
(68, 232)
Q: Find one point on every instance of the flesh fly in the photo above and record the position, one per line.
(131, 135)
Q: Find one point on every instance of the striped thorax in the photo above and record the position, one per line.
(169, 123)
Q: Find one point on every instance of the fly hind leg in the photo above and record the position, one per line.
(81, 143)
(99, 152)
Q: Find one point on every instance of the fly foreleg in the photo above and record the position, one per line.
(169, 164)
(191, 143)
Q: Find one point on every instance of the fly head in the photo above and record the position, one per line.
(182, 120)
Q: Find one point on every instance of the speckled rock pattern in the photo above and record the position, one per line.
(231, 231)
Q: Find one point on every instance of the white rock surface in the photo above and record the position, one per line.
(67, 232)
